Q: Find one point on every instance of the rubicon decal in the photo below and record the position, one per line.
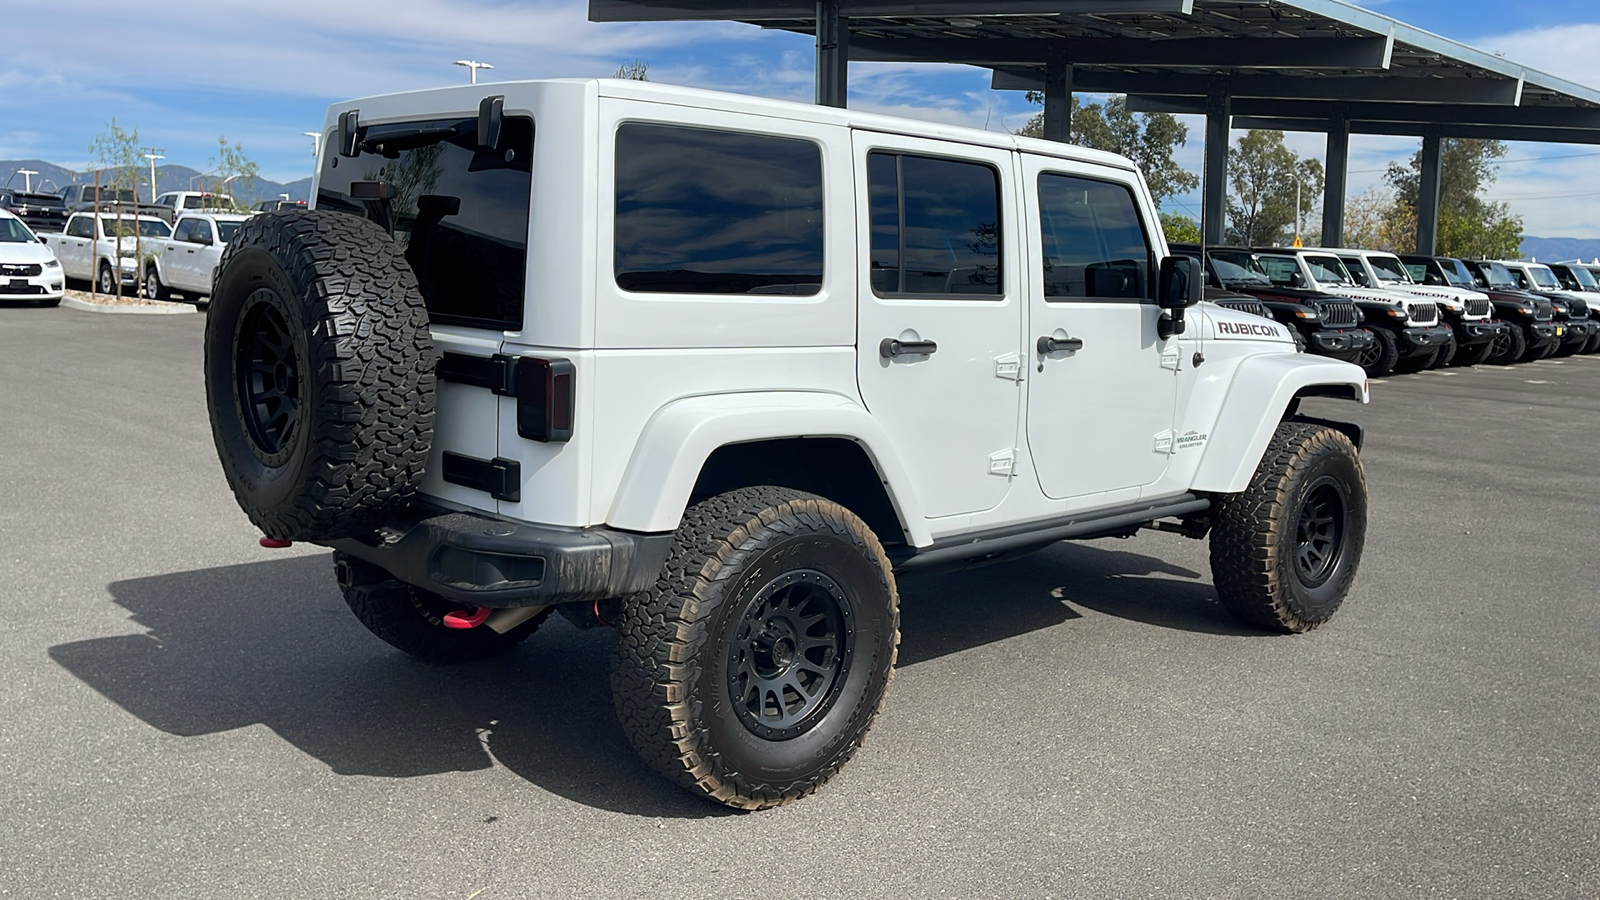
(1248, 329)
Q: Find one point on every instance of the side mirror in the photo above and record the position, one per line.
(1180, 286)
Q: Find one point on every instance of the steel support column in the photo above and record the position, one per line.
(1428, 197)
(1214, 211)
(1336, 178)
(1058, 97)
(833, 54)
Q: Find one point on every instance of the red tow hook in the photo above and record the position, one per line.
(275, 543)
(463, 619)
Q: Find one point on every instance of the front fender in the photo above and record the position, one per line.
(679, 438)
(1256, 402)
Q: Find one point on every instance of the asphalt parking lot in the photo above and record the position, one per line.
(187, 714)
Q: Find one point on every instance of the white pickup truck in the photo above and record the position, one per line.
(182, 266)
(86, 248)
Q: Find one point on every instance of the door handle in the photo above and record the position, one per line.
(1048, 345)
(889, 348)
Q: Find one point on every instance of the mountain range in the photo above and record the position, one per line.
(50, 178)
(1559, 249)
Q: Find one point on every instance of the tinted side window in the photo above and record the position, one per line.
(184, 230)
(202, 230)
(81, 226)
(1094, 242)
(935, 225)
(700, 211)
(1357, 271)
(459, 212)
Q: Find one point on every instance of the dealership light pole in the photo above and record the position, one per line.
(473, 65)
(153, 154)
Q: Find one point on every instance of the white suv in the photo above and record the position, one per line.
(1469, 313)
(717, 370)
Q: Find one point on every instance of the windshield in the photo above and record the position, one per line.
(1584, 278)
(1544, 278)
(225, 230)
(14, 232)
(1499, 275)
(1329, 269)
(1281, 270)
(1456, 272)
(1389, 269)
(147, 227)
(1239, 268)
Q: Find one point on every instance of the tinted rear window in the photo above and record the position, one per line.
(459, 213)
(716, 212)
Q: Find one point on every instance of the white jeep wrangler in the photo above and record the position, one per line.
(716, 370)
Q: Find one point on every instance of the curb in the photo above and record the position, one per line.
(165, 309)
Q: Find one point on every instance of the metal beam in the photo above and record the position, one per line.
(1417, 113)
(1405, 129)
(833, 55)
(1058, 100)
(1206, 52)
(1214, 189)
(1336, 171)
(709, 10)
(1388, 89)
(1428, 197)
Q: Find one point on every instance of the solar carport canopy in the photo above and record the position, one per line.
(1306, 65)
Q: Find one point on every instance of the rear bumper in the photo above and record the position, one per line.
(483, 561)
(1338, 340)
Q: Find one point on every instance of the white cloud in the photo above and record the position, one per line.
(1566, 51)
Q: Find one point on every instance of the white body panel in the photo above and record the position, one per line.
(190, 266)
(664, 380)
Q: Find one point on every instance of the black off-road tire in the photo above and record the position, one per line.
(1379, 359)
(758, 580)
(412, 620)
(1593, 345)
(1509, 346)
(1568, 348)
(319, 374)
(1284, 551)
(1474, 355)
(1447, 352)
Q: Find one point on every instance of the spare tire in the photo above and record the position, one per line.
(319, 374)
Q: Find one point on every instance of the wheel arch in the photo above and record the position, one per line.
(1267, 390)
(699, 446)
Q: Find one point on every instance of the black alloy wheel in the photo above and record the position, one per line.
(1319, 532)
(268, 375)
(794, 638)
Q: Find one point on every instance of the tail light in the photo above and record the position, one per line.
(546, 395)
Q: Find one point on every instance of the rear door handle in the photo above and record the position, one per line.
(1048, 345)
(889, 348)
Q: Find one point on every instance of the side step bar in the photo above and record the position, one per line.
(1016, 539)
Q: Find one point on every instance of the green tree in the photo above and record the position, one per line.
(1180, 229)
(1148, 139)
(633, 70)
(1469, 225)
(116, 150)
(1266, 177)
(231, 165)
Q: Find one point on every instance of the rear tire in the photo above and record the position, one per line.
(153, 288)
(1509, 346)
(1379, 359)
(1284, 551)
(752, 671)
(412, 620)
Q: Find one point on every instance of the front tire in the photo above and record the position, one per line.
(1509, 346)
(752, 671)
(108, 279)
(1414, 364)
(1379, 359)
(1473, 356)
(1284, 551)
(153, 288)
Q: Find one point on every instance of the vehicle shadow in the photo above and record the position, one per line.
(272, 643)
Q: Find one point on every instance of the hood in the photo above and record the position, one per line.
(1452, 297)
(1234, 325)
(1379, 295)
(25, 253)
(1274, 292)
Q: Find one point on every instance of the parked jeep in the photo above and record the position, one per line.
(718, 370)
(1577, 278)
(1468, 312)
(1408, 335)
(1571, 310)
(1324, 323)
(1537, 334)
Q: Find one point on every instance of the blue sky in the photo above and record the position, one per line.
(262, 74)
